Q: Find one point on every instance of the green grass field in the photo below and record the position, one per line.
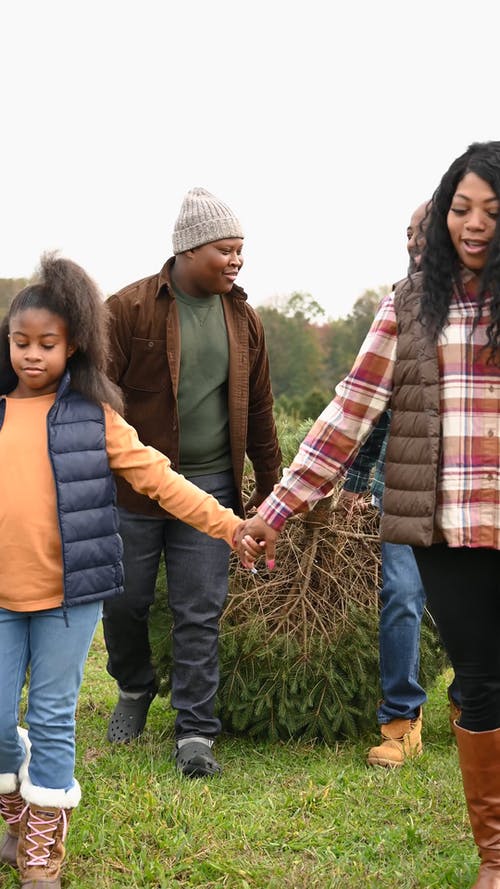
(283, 816)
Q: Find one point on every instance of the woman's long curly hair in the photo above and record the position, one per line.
(440, 266)
(66, 290)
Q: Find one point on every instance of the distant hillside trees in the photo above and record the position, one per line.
(308, 357)
(295, 353)
(8, 288)
(343, 338)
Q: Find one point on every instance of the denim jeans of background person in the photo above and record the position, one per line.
(402, 600)
(189, 354)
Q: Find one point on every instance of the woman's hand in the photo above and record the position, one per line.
(253, 537)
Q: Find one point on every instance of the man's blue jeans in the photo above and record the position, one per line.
(55, 648)
(403, 599)
(197, 569)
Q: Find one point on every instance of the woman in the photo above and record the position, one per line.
(433, 355)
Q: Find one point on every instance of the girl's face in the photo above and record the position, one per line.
(472, 220)
(39, 350)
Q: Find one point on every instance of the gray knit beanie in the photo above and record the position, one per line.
(203, 218)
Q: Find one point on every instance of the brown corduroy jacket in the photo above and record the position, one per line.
(145, 362)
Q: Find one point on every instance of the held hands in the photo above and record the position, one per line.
(253, 538)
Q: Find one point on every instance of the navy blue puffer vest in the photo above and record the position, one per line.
(88, 519)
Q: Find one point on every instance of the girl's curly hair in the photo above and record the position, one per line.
(65, 289)
(440, 266)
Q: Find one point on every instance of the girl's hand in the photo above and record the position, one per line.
(248, 551)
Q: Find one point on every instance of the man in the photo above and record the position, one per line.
(402, 595)
(189, 354)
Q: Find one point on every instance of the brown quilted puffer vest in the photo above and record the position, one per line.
(413, 450)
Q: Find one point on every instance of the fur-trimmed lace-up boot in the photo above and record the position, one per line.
(479, 755)
(42, 834)
(12, 804)
(40, 851)
(401, 740)
(11, 809)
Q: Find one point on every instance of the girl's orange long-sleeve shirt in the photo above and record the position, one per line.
(31, 570)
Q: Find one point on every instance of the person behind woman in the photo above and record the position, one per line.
(433, 355)
(402, 596)
(61, 438)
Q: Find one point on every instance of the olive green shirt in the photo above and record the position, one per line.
(203, 393)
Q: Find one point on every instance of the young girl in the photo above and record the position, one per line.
(61, 439)
(433, 354)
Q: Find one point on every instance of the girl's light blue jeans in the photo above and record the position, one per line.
(47, 649)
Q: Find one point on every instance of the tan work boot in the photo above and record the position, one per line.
(402, 739)
(11, 809)
(40, 850)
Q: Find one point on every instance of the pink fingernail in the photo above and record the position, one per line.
(270, 564)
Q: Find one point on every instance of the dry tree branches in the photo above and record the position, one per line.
(326, 563)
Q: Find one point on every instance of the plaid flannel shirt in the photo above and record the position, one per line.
(370, 457)
(468, 494)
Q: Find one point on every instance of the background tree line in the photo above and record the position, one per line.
(308, 355)
(8, 288)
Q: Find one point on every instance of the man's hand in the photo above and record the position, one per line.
(254, 502)
(351, 503)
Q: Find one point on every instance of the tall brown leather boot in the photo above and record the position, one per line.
(479, 755)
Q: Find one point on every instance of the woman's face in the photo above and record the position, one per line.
(472, 220)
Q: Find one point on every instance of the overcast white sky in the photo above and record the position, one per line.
(323, 125)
